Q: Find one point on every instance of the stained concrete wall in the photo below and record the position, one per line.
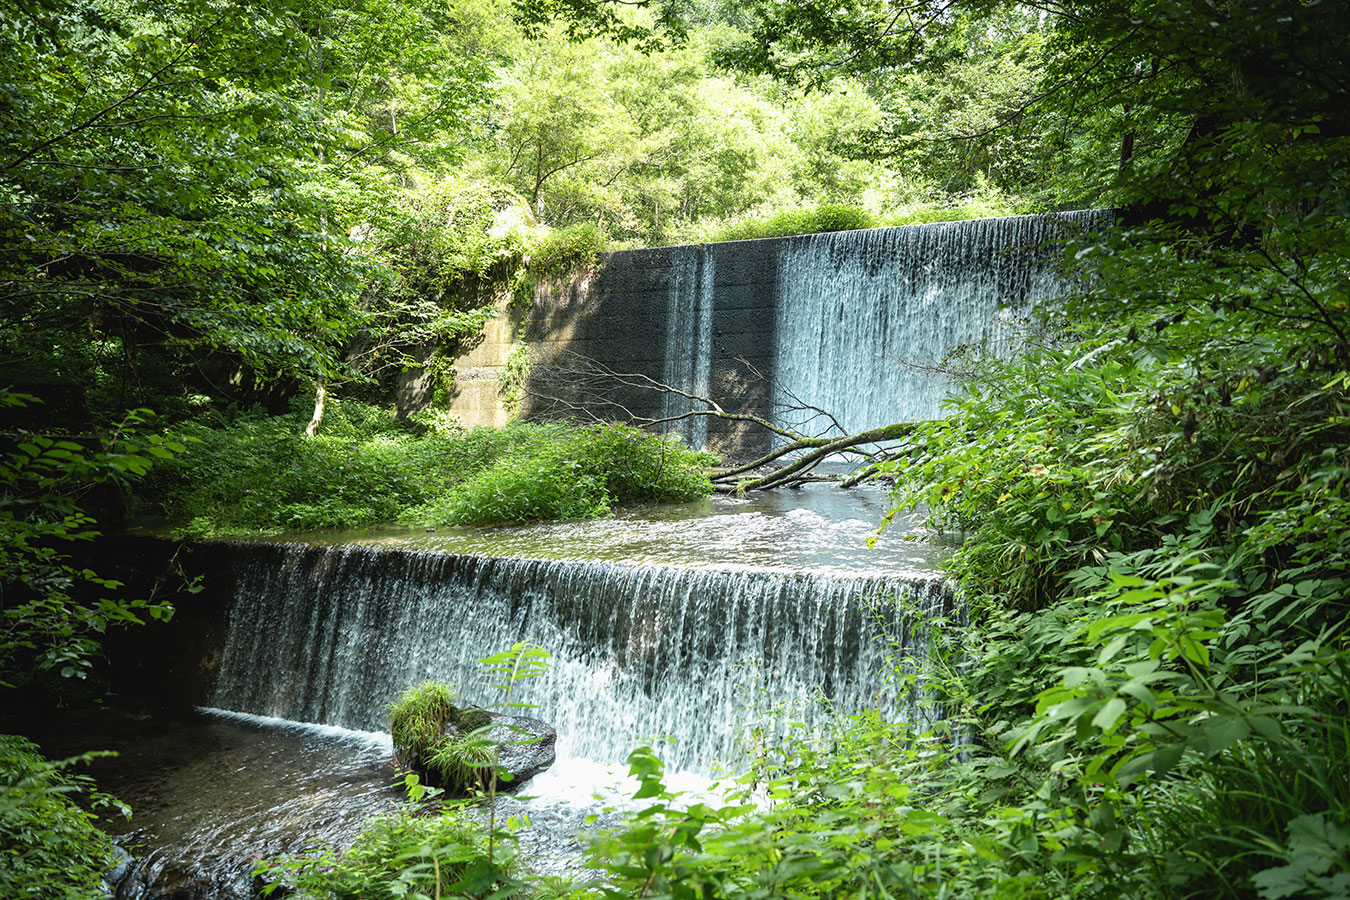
(618, 318)
(476, 396)
(615, 319)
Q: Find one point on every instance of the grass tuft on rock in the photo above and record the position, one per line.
(418, 717)
(441, 741)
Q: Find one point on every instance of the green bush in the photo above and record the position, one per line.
(567, 472)
(400, 855)
(541, 485)
(828, 217)
(53, 610)
(555, 255)
(49, 846)
(256, 474)
(566, 251)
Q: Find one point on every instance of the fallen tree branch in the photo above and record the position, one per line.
(590, 386)
(817, 450)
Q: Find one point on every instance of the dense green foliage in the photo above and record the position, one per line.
(403, 854)
(178, 182)
(52, 609)
(208, 201)
(50, 848)
(829, 217)
(258, 474)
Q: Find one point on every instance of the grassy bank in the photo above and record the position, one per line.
(256, 474)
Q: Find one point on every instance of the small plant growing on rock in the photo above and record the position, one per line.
(418, 716)
(443, 742)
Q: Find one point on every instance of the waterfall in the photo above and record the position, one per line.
(854, 323)
(688, 341)
(331, 634)
(865, 317)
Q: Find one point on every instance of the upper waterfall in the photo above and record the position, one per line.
(855, 324)
(865, 318)
(689, 341)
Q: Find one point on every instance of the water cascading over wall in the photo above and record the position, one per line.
(866, 317)
(854, 323)
(331, 634)
(688, 362)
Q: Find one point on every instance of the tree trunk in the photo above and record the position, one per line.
(320, 402)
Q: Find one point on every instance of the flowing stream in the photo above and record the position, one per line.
(213, 792)
(675, 626)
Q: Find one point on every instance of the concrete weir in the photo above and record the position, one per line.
(854, 323)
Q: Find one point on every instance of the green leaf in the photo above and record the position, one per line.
(1110, 713)
(1222, 732)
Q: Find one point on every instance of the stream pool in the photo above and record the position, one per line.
(215, 790)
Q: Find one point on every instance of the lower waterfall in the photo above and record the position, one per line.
(331, 634)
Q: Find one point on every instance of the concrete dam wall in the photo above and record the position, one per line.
(852, 324)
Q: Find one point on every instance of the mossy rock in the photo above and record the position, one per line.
(471, 718)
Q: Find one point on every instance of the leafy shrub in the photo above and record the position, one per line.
(568, 472)
(53, 611)
(52, 848)
(859, 811)
(566, 251)
(554, 255)
(830, 217)
(538, 485)
(638, 467)
(398, 855)
(257, 474)
(984, 201)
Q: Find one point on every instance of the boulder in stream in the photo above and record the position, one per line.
(460, 759)
(525, 747)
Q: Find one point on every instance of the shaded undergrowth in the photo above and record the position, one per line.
(257, 474)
